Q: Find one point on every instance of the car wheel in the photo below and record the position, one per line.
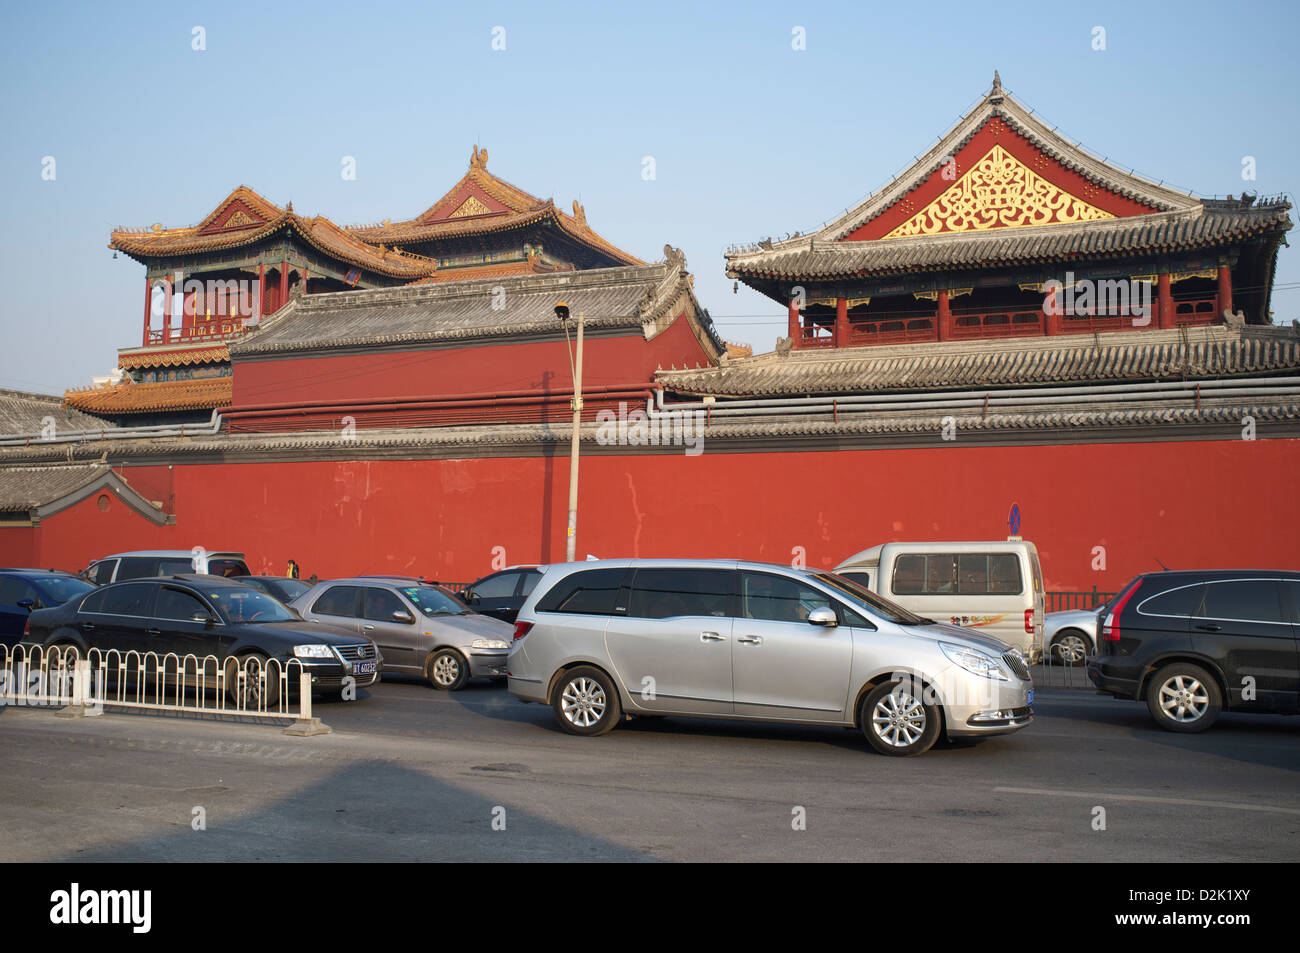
(447, 670)
(1070, 647)
(1184, 697)
(897, 721)
(586, 702)
(246, 693)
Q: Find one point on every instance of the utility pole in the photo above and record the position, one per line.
(575, 366)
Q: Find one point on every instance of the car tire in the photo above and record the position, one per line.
(1070, 640)
(898, 723)
(1183, 697)
(252, 684)
(447, 670)
(586, 702)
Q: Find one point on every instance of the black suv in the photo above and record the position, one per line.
(1194, 643)
(202, 616)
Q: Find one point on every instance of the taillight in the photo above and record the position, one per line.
(1110, 627)
(27, 628)
(1029, 621)
(521, 629)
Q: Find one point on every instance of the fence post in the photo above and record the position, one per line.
(82, 702)
(306, 725)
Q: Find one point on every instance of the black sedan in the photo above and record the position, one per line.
(24, 590)
(202, 616)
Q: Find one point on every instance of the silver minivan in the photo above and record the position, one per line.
(601, 640)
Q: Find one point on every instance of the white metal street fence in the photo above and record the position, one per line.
(80, 686)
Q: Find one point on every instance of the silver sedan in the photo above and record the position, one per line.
(419, 628)
(1070, 636)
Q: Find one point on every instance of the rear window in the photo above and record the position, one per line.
(965, 574)
(138, 567)
(227, 567)
(1180, 602)
(337, 600)
(134, 599)
(590, 592)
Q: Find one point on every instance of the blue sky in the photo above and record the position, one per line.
(750, 137)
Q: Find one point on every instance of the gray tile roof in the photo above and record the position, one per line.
(23, 413)
(1140, 420)
(24, 488)
(1203, 226)
(1138, 355)
(625, 297)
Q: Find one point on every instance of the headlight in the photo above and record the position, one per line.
(489, 644)
(313, 651)
(973, 661)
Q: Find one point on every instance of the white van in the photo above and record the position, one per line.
(996, 587)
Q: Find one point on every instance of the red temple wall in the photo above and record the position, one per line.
(1182, 503)
(471, 369)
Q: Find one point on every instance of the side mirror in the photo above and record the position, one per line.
(469, 597)
(401, 615)
(203, 617)
(27, 604)
(823, 616)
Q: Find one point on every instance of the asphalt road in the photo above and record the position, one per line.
(414, 774)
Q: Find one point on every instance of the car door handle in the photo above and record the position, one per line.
(87, 626)
(750, 640)
(712, 637)
(367, 627)
(1209, 627)
(153, 631)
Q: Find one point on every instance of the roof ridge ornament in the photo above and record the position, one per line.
(478, 159)
(996, 94)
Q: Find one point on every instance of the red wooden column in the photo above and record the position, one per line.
(1165, 298)
(284, 285)
(841, 322)
(794, 324)
(261, 292)
(148, 304)
(1052, 313)
(944, 318)
(1225, 290)
(167, 308)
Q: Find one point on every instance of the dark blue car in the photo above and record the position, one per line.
(23, 590)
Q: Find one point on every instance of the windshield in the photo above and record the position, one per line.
(59, 589)
(249, 605)
(869, 600)
(433, 601)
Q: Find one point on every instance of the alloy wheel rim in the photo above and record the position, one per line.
(1071, 649)
(1184, 699)
(898, 719)
(583, 702)
(445, 670)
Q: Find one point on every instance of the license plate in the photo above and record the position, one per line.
(1029, 697)
(364, 668)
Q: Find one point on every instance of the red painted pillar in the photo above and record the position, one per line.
(1165, 298)
(167, 309)
(148, 306)
(284, 285)
(944, 316)
(841, 322)
(794, 324)
(1053, 305)
(1225, 290)
(261, 292)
